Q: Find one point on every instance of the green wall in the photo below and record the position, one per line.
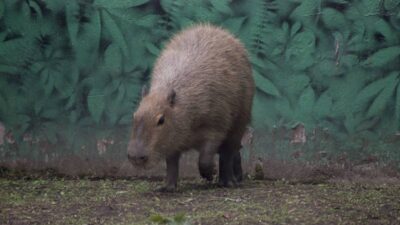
(71, 72)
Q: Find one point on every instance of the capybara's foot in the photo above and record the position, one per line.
(228, 183)
(238, 177)
(167, 189)
(207, 172)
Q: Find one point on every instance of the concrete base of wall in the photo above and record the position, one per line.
(261, 168)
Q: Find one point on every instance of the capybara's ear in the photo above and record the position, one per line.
(145, 91)
(171, 97)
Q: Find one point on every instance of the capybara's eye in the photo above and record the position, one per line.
(160, 120)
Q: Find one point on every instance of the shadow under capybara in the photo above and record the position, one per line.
(200, 98)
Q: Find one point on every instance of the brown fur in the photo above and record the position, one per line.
(202, 87)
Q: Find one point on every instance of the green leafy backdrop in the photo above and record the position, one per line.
(71, 71)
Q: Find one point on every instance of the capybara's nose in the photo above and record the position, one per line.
(130, 156)
(139, 159)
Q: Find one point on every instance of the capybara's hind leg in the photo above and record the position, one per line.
(226, 164)
(226, 177)
(237, 166)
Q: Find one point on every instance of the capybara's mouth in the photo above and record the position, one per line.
(140, 164)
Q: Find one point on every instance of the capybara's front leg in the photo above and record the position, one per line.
(172, 173)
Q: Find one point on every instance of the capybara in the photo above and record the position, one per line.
(200, 97)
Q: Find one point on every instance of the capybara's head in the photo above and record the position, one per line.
(154, 128)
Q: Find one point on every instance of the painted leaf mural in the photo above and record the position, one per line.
(79, 65)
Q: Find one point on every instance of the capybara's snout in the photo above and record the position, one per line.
(137, 155)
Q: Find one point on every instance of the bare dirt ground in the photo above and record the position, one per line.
(55, 200)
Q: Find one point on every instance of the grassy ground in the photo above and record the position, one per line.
(85, 201)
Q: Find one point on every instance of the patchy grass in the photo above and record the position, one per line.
(85, 201)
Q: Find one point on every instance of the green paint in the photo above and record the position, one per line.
(71, 70)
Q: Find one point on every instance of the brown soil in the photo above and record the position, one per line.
(52, 200)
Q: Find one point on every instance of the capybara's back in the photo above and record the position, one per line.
(202, 90)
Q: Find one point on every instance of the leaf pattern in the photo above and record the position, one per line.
(331, 64)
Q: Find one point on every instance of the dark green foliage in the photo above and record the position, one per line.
(382, 57)
(264, 84)
(81, 64)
